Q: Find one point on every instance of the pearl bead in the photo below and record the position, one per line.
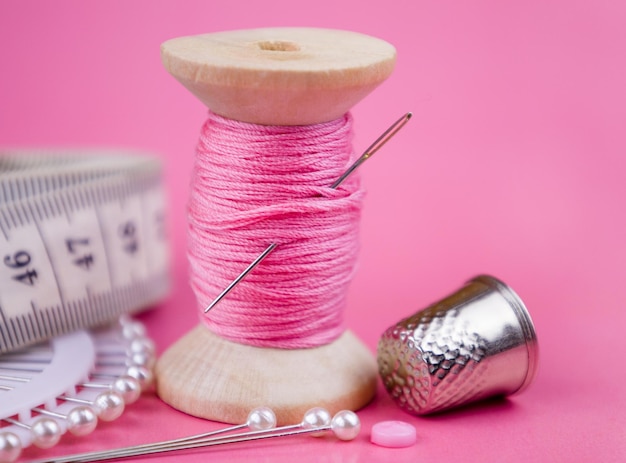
(314, 418)
(143, 346)
(261, 419)
(132, 330)
(128, 387)
(81, 421)
(46, 433)
(109, 405)
(141, 374)
(10, 447)
(142, 359)
(345, 425)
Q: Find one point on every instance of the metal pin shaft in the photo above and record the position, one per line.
(369, 152)
(186, 444)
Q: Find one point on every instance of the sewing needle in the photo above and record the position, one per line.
(368, 153)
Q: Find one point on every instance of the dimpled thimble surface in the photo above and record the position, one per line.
(476, 343)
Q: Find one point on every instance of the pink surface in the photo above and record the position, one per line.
(513, 165)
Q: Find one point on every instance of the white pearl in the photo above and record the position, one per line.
(132, 330)
(109, 405)
(143, 346)
(261, 418)
(10, 447)
(81, 421)
(141, 374)
(142, 359)
(46, 432)
(128, 387)
(314, 418)
(345, 425)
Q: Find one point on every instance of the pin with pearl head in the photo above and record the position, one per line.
(10, 446)
(136, 353)
(80, 421)
(344, 425)
(259, 419)
(45, 431)
(108, 405)
(126, 386)
(272, 77)
(142, 375)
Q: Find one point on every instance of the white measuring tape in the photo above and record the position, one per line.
(82, 240)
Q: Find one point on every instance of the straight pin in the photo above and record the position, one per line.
(126, 386)
(14, 379)
(81, 420)
(143, 375)
(46, 432)
(108, 405)
(259, 419)
(368, 153)
(345, 425)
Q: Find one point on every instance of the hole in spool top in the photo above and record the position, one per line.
(278, 45)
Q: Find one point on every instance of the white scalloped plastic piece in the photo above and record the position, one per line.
(71, 358)
(44, 372)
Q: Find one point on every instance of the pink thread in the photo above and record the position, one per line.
(254, 185)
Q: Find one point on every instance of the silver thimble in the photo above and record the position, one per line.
(476, 343)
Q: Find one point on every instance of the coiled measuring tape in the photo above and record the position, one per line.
(82, 240)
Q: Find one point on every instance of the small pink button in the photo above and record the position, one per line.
(394, 434)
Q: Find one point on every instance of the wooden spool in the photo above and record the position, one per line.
(273, 76)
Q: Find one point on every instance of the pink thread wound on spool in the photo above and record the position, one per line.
(254, 185)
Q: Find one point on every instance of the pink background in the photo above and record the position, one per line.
(513, 165)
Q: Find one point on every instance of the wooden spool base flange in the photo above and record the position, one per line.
(209, 377)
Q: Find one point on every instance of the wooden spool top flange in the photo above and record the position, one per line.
(279, 76)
